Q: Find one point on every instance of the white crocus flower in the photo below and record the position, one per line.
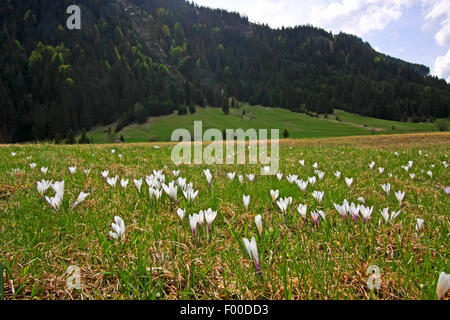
(386, 187)
(176, 173)
(181, 213)
(81, 197)
(342, 209)
(274, 194)
(318, 195)
(118, 227)
(315, 165)
(124, 183)
(13, 154)
(320, 174)
(430, 174)
(246, 200)
(366, 212)
(72, 169)
(302, 209)
(58, 187)
(348, 181)
(105, 174)
(419, 224)
(32, 165)
(362, 200)
(231, 175)
(258, 222)
(443, 285)
(292, 178)
(87, 171)
(302, 162)
(157, 193)
(279, 176)
(138, 184)
(337, 174)
(371, 165)
(210, 215)
(312, 180)
(44, 170)
(302, 185)
(55, 201)
(112, 181)
(406, 168)
(380, 170)
(412, 175)
(171, 190)
(190, 194)
(354, 211)
(181, 182)
(113, 151)
(410, 163)
(387, 218)
(42, 186)
(241, 178)
(208, 176)
(400, 195)
(193, 221)
(252, 251)
(283, 204)
(201, 218)
(250, 177)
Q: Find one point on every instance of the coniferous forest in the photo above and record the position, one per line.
(138, 58)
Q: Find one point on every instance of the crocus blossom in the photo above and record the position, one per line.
(181, 213)
(302, 209)
(348, 181)
(419, 224)
(81, 197)
(393, 215)
(400, 195)
(318, 195)
(443, 285)
(252, 251)
(210, 215)
(386, 187)
(138, 184)
(258, 222)
(193, 221)
(118, 227)
(274, 194)
(208, 176)
(246, 200)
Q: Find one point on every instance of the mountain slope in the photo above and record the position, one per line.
(138, 58)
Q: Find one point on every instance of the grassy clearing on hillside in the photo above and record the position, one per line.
(298, 125)
(158, 258)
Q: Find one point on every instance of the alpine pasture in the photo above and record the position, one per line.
(139, 227)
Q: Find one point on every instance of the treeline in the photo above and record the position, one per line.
(139, 58)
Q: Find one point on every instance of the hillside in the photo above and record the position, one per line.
(138, 58)
(298, 125)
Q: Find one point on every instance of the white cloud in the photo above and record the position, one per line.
(439, 11)
(358, 17)
(275, 13)
(442, 66)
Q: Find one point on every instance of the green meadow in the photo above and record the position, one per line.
(158, 257)
(298, 125)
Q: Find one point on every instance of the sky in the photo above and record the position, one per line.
(413, 30)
